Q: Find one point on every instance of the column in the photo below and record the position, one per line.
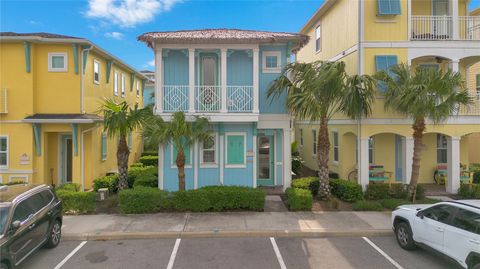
(221, 134)
(160, 167)
(223, 66)
(255, 79)
(254, 164)
(191, 80)
(407, 151)
(158, 80)
(363, 167)
(453, 169)
(195, 165)
(455, 24)
(287, 159)
(409, 20)
(454, 65)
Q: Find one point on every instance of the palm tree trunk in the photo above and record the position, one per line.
(122, 162)
(180, 162)
(418, 129)
(323, 150)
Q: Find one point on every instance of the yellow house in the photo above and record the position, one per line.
(373, 35)
(51, 88)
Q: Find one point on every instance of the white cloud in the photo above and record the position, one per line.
(32, 22)
(128, 13)
(114, 35)
(151, 63)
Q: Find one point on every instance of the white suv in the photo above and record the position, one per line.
(451, 228)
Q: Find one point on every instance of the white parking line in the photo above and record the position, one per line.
(392, 261)
(278, 254)
(174, 254)
(70, 255)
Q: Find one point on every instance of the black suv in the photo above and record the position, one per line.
(30, 217)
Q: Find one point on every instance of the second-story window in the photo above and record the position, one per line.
(314, 137)
(123, 85)
(388, 7)
(57, 62)
(271, 62)
(318, 38)
(96, 72)
(3, 151)
(115, 83)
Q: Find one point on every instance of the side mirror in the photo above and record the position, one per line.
(15, 225)
(420, 214)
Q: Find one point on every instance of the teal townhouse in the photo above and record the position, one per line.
(224, 74)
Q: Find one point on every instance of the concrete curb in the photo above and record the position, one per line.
(222, 233)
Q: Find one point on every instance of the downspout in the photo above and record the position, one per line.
(82, 73)
(82, 160)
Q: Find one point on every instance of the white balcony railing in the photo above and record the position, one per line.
(3, 101)
(432, 28)
(473, 109)
(208, 98)
(175, 98)
(239, 98)
(469, 27)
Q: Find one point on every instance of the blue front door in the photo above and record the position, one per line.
(265, 166)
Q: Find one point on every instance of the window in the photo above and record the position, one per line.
(104, 146)
(371, 150)
(123, 85)
(314, 136)
(138, 88)
(236, 150)
(57, 62)
(22, 211)
(3, 152)
(208, 151)
(335, 147)
(478, 83)
(47, 196)
(467, 220)
(441, 148)
(384, 63)
(188, 156)
(389, 7)
(115, 83)
(318, 39)
(96, 72)
(271, 62)
(429, 66)
(301, 137)
(440, 213)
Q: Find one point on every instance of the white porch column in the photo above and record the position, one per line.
(287, 159)
(453, 160)
(160, 167)
(256, 56)
(221, 162)
(409, 20)
(223, 66)
(407, 151)
(158, 80)
(254, 159)
(455, 66)
(455, 24)
(364, 163)
(191, 80)
(195, 165)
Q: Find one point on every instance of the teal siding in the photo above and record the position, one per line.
(239, 69)
(175, 68)
(265, 104)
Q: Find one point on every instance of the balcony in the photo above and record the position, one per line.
(445, 28)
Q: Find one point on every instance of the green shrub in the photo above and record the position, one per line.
(345, 190)
(469, 191)
(136, 165)
(146, 180)
(192, 200)
(77, 202)
(135, 172)
(149, 160)
(377, 191)
(476, 177)
(392, 203)
(144, 200)
(109, 182)
(363, 205)
(150, 153)
(74, 187)
(420, 194)
(398, 191)
(299, 199)
(307, 183)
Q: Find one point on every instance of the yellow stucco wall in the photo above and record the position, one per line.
(474, 148)
(385, 28)
(41, 91)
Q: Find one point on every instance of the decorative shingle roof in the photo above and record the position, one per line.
(44, 35)
(63, 118)
(228, 36)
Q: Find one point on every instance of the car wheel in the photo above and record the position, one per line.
(4, 266)
(404, 236)
(55, 235)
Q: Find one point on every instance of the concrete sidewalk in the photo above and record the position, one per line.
(230, 224)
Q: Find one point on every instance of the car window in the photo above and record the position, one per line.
(37, 201)
(440, 213)
(22, 211)
(47, 196)
(467, 220)
(3, 218)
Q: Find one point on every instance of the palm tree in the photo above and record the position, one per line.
(317, 91)
(119, 119)
(422, 94)
(181, 133)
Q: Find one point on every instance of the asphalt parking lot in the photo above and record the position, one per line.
(253, 252)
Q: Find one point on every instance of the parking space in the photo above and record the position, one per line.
(256, 252)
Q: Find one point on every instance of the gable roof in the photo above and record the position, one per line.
(222, 35)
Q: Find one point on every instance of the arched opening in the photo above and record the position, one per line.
(386, 157)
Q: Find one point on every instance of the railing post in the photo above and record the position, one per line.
(255, 79)
(455, 24)
(191, 80)
(223, 95)
(158, 80)
(409, 20)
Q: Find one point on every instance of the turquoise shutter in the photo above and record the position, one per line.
(384, 63)
(236, 149)
(388, 7)
(104, 146)
(187, 155)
